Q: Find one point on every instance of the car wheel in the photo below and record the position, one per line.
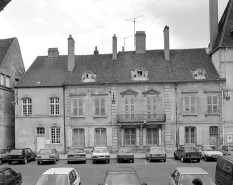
(175, 157)
(0, 161)
(205, 158)
(149, 159)
(25, 161)
(68, 162)
(9, 162)
(108, 161)
(182, 159)
(118, 161)
(93, 161)
(132, 160)
(38, 162)
(55, 161)
(198, 160)
(164, 160)
(84, 161)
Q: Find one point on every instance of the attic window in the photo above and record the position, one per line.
(139, 74)
(199, 74)
(88, 76)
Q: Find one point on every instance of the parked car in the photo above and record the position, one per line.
(122, 175)
(3, 155)
(185, 153)
(62, 176)
(100, 154)
(76, 154)
(227, 150)
(156, 153)
(125, 154)
(21, 155)
(47, 155)
(224, 170)
(185, 176)
(210, 152)
(9, 177)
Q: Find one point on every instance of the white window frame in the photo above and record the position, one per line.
(99, 105)
(154, 136)
(76, 107)
(212, 104)
(40, 129)
(7, 81)
(189, 104)
(129, 114)
(79, 130)
(103, 135)
(132, 131)
(55, 134)
(192, 140)
(26, 106)
(54, 105)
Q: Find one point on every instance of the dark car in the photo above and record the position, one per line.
(21, 155)
(187, 154)
(122, 175)
(125, 154)
(8, 177)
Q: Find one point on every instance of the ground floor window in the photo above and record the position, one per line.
(190, 135)
(78, 137)
(130, 136)
(40, 130)
(100, 137)
(55, 135)
(213, 130)
(152, 136)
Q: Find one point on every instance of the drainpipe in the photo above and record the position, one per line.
(64, 116)
(177, 128)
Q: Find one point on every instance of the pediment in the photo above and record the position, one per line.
(129, 92)
(151, 91)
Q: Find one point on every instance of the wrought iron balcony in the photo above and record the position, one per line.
(122, 118)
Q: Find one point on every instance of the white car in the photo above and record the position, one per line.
(61, 176)
(210, 152)
(100, 154)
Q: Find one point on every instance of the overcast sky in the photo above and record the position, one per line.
(43, 24)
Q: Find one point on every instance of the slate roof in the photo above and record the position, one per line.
(225, 27)
(4, 46)
(3, 4)
(53, 72)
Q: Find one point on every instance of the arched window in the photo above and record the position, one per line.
(55, 135)
(27, 106)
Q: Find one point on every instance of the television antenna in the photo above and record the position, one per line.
(124, 40)
(133, 20)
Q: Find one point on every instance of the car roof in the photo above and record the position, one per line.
(191, 170)
(47, 149)
(121, 169)
(100, 147)
(78, 147)
(156, 147)
(20, 148)
(208, 145)
(64, 170)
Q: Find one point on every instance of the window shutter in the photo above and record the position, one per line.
(122, 137)
(86, 138)
(160, 139)
(181, 135)
(199, 135)
(144, 136)
(109, 136)
(69, 137)
(145, 107)
(72, 109)
(195, 104)
(91, 137)
(137, 136)
(84, 107)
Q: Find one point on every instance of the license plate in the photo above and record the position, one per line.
(126, 158)
(45, 160)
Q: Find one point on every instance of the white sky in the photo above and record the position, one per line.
(43, 24)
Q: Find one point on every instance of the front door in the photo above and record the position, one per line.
(40, 143)
(214, 140)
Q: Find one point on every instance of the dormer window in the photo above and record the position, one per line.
(199, 74)
(88, 76)
(139, 75)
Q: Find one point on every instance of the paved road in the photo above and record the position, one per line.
(91, 174)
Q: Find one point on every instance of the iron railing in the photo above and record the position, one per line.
(141, 118)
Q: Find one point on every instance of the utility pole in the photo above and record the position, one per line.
(133, 20)
(124, 40)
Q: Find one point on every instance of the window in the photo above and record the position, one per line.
(189, 102)
(212, 104)
(129, 107)
(151, 106)
(40, 130)
(139, 74)
(7, 81)
(214, 130)
(100, 137)
(190, 135)
(7, 174)
(27, 106)
(152, 136)
(100, 107)
(130, 136)
(88, 76)
(78, 137)
(2, 79)
(54, 106)
(55, 135)
(78, 107)
(199, 74)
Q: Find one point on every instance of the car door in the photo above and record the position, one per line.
(178, 152)
(9, 177)
(76, 178)
(4, 154)
(56, 154)
(173, 178)
(147, 153)
(30, 154)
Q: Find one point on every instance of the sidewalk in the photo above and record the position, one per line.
(113, 156)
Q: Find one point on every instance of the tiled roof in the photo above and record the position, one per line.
(225, 27)
(52, 72)
(4, 46)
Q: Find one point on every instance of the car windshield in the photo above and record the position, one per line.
(230, 148)
(53, 179)
(209, 148)
(187, 179)
(46, 151)
(122, 179)
(190, 149)
(157, 150)
(76, 150)
(16, 152)
(125, 150)
(101, 150)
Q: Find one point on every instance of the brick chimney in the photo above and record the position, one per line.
(166, 43)
(140, 42)
(114, 47)
(213, 18)
(70, 53)
(53, 52)
(96, 52)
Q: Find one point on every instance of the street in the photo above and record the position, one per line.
(155, 172)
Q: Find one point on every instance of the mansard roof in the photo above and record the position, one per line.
(4, 46)
(225, 28)
(53, 71)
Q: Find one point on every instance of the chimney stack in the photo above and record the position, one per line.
(114, 47)
(53, 52)
(140, 42)
(96, 52)
(166, 43)
(70, 53)
(213, 18)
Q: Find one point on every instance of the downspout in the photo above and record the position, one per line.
(176, 109)
(64, 116)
